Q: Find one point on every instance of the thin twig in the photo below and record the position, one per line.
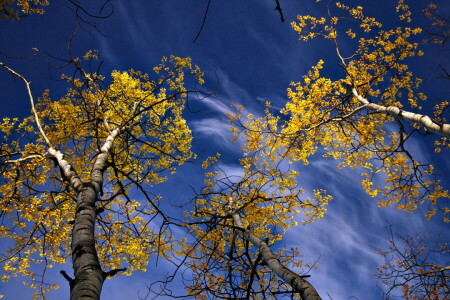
(203, 22)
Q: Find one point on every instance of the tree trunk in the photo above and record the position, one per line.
(89, 276)
(298, 283)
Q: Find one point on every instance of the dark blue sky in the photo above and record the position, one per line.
(248, 57)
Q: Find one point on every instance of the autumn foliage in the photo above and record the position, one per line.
(365, 118)
(114, 135)
(71, 172)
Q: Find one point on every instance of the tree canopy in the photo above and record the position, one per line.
(105, 174)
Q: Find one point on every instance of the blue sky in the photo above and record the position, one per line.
(248, 57)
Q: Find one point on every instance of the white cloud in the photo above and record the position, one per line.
(215, 129)
(349, 235)
(217, 105)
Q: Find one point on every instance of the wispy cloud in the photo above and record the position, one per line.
(347, 238)
(215, 130)
(217, 105)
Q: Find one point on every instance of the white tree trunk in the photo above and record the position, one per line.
(89, 276)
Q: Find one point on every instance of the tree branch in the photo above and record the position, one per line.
(12, 161)
(30, 96)
(423, 120)
(97, 171)
(203, 22)
(113, 272)
(280, 10)
(66, 168)
(67, 277)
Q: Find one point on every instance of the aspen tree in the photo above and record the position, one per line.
(236, 222)
(366, 118)
(68, 171)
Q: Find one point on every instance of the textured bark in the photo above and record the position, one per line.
(69, 173)
(89, 276)
(100, 162)
(298, 283)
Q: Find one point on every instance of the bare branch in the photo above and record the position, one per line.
(30, 96)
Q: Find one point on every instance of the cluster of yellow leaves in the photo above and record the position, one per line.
(90, 55)
(156, 136)
(439, 111)
(13, 8)
(376, 56)
(32, 6)
(126, 238)
(441, 29)
(36, 217)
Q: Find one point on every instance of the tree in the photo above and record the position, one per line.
(411, 265)
(235, 219)
(72, 165)
(365, 118)
(348, 117)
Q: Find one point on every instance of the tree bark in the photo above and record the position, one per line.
(89, 276)
(298, 283)
(396, 112)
